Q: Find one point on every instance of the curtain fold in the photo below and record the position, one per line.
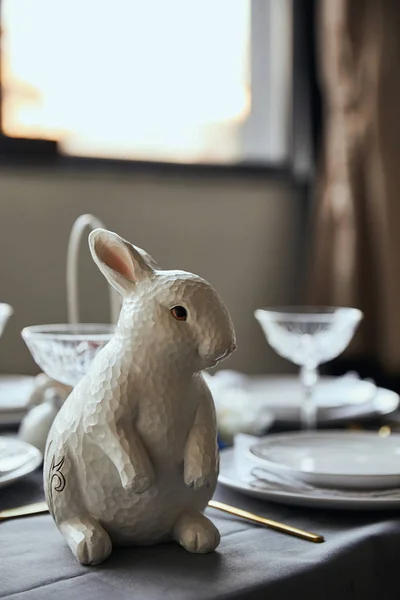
(355, 258)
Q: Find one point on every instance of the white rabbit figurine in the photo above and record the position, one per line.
(132, 455)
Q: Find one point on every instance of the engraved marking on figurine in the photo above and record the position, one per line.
(57, 479)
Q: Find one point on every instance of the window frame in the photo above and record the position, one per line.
(25, 151)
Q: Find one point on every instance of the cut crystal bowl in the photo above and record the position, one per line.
(65, 352)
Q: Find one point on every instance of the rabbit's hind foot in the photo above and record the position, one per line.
(196, 533)
(87, 539)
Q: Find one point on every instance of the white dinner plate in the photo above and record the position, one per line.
(283, 395)
(15, 391)
(243, 481)
(337, 459)
(384, 402)
(338, 399)
(17, 459)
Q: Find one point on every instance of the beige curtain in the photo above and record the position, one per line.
(356, 250)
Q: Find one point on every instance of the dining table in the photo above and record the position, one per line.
(359, 558)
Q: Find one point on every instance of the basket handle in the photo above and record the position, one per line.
(74, 243)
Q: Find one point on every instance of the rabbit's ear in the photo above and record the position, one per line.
(121, 263)
(147, 257)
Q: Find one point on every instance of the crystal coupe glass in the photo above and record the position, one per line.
(308, 337)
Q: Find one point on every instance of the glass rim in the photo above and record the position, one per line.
(310, 313)
(69, 332)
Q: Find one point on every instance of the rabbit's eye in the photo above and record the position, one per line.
(179, 313)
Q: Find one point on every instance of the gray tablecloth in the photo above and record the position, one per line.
(360, 558)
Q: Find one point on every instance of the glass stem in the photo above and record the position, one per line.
(309, 378)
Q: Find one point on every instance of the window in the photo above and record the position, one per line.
(174, 81)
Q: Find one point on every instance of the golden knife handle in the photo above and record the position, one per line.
(238, 512)
(23, 511)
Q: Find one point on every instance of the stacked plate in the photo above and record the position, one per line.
(326, 469)
(17, 459)
(338, 399)
(15, 393)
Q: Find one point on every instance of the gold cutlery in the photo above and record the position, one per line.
(41, 507)
(276, 525)
(23, 511)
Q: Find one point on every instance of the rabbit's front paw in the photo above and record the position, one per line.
(197, 477)
(138, 482)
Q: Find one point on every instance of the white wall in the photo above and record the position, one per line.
(243, 234)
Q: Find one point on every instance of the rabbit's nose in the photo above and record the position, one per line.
(228, 351)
